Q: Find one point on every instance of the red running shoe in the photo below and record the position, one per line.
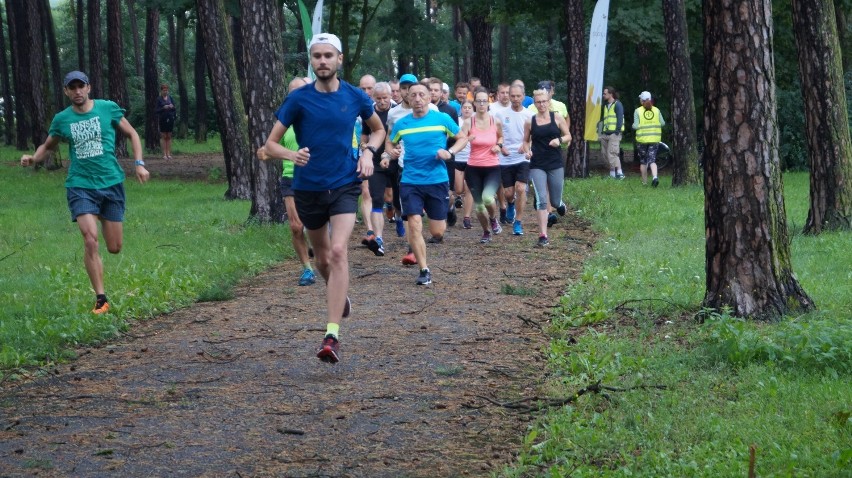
(329, 351)
(409, 259)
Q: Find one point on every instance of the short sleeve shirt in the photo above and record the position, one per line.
(91, 137)
(324, 123)
(513, 133)
(423, 138)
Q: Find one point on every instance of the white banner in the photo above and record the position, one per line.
(594, 82)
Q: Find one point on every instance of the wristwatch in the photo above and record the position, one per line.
(500, 145)
(372, 149)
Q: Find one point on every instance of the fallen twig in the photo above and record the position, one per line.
(522, 404)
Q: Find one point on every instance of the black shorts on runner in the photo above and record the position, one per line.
(460, 165)
(286, 185)
(515, 173)
(315, 208)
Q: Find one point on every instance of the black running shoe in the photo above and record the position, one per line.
(329, 351)
(452, 217)
(458, 202)
(655, 182)
(542, 241)
(561, 209)
(551, 219)
(425, 277)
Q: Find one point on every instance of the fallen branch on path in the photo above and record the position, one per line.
(526, 405)
(530, 322)
(421, 309)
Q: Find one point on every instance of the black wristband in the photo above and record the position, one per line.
(372, 149)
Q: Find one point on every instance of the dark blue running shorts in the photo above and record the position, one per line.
(107, 203)
(433, 198)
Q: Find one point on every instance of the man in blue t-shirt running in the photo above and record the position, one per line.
(327, 176)
(424, 184)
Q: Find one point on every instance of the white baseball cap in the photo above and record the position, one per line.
(644, 96)
(327, 39)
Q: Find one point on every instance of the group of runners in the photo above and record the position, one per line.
(409, 153)
(400, 144)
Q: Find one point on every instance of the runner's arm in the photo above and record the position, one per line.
(125, 127)
(50, 144)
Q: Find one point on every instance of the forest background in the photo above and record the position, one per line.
(499, 40)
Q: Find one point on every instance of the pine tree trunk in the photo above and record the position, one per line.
(219, 51)
(643, 53)
(29, 73)
(480, 47)
(503, 54)
(134, 33)
(5, 84)
(96, 65)
(80, 23)
(684, 140)
(182, 127)
(826, 122)
(457, 38)
(55, 69)
(115, 63)
(152, 79)
(200, 89)
(576, 57)
(264, 69)
(20, 81)
(172, 36)
(748, 263)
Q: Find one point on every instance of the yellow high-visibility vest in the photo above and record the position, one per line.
(610, 119)
(650, 130)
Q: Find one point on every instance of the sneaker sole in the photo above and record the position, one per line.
(327, 355)
(347, 308)
(307, 282)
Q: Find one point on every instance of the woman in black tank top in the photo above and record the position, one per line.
(544, 134)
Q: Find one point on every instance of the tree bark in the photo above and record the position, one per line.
(172, 36)
(200, 88)
(842, 17)
(219, 51)
(264, 70)
(826, 122)
(134, 33)
(748, 264)
(55, 69)
(480, 47)
(5, 84)
(96, 65)
(182, 127)
(115, 63)
(16, 17)
(576, 57)
(458, 26)
(80, 22)
(684, 140)
(152, 79)
(643, 53)
(503, 55)
(26, 29)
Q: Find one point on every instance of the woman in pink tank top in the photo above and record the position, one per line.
(483, 166)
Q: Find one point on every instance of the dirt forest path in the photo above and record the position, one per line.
(234, 389)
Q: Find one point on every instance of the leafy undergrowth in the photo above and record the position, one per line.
(691, 391)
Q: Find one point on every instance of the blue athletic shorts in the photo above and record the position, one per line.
(107, 203)
(433, 198)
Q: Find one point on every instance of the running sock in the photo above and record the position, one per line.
(620, 171)
(332, 329)
(612, 173)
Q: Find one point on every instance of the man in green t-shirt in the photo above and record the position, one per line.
(95, 182)
(297, 229)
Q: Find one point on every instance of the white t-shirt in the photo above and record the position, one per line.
(513, 134)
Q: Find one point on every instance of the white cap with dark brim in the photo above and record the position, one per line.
(326, 39)
(644, 96)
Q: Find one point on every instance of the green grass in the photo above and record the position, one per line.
(182, 243)
(189, 146)
(729, 383)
